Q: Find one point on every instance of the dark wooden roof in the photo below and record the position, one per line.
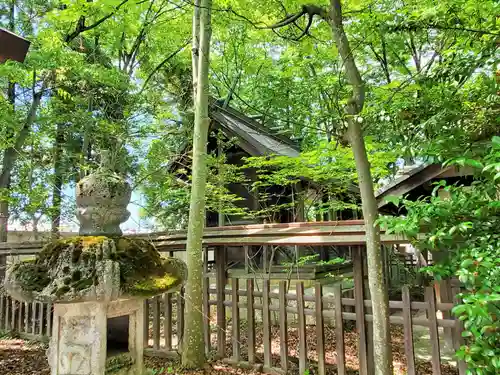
(12, 46)
(416, 177)
(253, 137)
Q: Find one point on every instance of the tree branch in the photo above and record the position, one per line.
(160, 65)
(310, 10)
(80, 27)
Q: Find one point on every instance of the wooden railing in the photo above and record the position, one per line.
(254, 316)
(348, 232)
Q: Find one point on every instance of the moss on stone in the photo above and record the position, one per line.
(62, 290)
(119, 362)
(70, 266)
(33, 277)
(153, 286)
(76, 276)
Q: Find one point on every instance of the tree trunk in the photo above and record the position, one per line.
(10, 156)
(58, 182)
(193, 350)
(196, 46)
(381, 329)
(5, 184)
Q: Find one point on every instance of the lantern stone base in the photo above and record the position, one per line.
(98, 338)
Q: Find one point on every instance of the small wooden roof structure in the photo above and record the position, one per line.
(416, 177)
(251, 136)
(12, 46)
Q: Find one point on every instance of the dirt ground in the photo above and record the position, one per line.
(19, 357)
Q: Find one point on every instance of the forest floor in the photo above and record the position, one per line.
(20, 357)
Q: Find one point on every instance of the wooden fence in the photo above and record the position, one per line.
(248, 327)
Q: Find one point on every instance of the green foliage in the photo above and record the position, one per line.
(461, 229)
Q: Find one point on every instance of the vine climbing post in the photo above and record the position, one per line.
(193, 348)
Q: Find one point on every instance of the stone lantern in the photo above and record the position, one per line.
(98, 282)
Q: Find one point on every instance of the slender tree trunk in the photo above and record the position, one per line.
(5, 184)
(58, 182)
(195, 46)
(379, 298)
(193, 352)
(10, 156)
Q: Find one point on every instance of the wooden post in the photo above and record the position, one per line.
(265, 258)
(205, 260)
(302, 328)
(20, 318)
(446, 296)
(320, 333)
(13, 317)
(235, 315)
(33, 318)
(339, 330)
(206, 315)
(180, 319)
(2, 311)
(266, 321)
(357, 258)
(283, 326)
(156, 322)
(220, 265)
(457, 331)
(167, 321)
(433, 330)
(408, 331)
(26, 317)
(246, 248)
(250, 321)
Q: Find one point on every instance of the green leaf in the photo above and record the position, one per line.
(393, 199)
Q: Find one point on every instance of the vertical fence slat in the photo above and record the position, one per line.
(167, 320)
(408, 331)
(320, 333)
(220, 266)
(247, 258)
(40, 318)
(49, 319)
(360, 309)
(26, 317)
(433, 331)
(146, 323)
(302, 328)
(7, 313)
(235, 316)
(33, 317)
(2, 310)
(266, 321)
(457, 332)
(250, 321)
(20, 317)
(339, 330)
(156, 322)
(206, 315)
(13, 315)
(283, 326)
(180, 319)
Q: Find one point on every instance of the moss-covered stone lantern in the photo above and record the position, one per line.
(98, 282)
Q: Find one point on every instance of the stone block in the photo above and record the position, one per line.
(80, 336)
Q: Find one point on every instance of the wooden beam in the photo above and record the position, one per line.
(349, 232)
